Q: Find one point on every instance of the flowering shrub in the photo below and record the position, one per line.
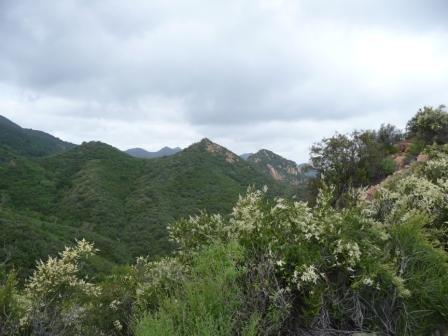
(191, 233)
(317, 252)
(423, 189)
(57, 300)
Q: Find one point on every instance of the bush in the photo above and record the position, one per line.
(430, 125)
(57, 300)
(320, 256)
(10, 309)
(206, 302)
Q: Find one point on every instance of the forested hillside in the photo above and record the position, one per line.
(121, 203)
(28, 142)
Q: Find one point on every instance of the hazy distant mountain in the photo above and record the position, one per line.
(281, 169)
(246, 156)
(28, 142)
(307, 170)
(144, 154)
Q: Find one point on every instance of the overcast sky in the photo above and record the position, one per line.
(248, 74)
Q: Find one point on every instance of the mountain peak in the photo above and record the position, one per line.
(206, 141)
(213, 148)
(266, 154)
(278, 167)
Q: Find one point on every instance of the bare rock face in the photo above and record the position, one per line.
(400, 161)
(274, 173)
(279, 168)
(370, 193)
(404, 145)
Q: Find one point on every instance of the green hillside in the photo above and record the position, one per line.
(28, 142)
(123, 203)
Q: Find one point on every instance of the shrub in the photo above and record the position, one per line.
(58, 301)
(10, 309)
(206, 302)
(430, 125)
(320, 256)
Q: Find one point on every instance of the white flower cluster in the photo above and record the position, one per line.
(409, 193)
(196, 231)
(247, 214)
(52, 276)
(114, 305)
(118, 325)
(347, 253)
(303, 224)
(367, 282)
(418, 192)
(305, 274)
(437, 168)
(55, 284)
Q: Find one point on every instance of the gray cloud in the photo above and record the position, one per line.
(260, 71)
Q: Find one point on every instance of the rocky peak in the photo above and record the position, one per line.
(215, 149)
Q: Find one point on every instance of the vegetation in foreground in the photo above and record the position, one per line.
(353, 262)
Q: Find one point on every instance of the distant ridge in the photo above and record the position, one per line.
(246, 156)
(281, 169)
(144, 154)
(29, 142)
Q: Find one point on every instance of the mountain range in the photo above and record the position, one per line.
(144, 154)
(52, 192)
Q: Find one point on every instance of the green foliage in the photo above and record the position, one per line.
(355, 160)
(206, 302)
(29, 143)
(121, 203)
(388, 166)
(425, 271)
(416, 147)
(10, 310)
(58, 301)
(114, 308)
(388, 136)
(157, 280)
(429, 125)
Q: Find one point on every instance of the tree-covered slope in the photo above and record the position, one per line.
(95, 188)
(28, 142)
